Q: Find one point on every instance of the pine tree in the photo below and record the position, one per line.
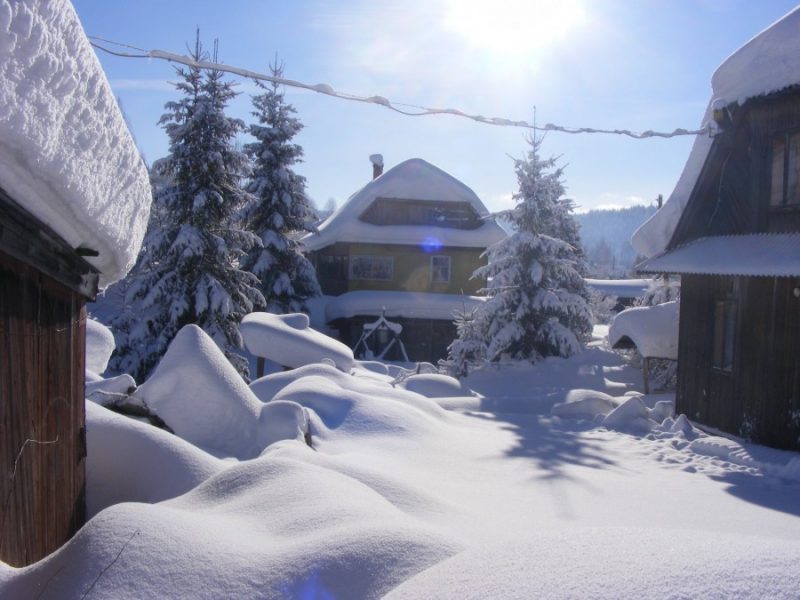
(280, 208)
(187, 270)
(537, 297)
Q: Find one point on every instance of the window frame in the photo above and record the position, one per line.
(355, 259)
(725, 329)
(449, 268)
(785, 202)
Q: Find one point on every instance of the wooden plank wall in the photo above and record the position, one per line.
(760, 398)
(42, 445)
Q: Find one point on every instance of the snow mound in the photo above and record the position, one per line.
(288, 340)
(129, 461)
(267, 387)
(105, 391)
(274, 527)
(724, 448)
(203, 399)
(355, 411)
(585, 405)
(66, 154)
(433, 385)
(654, 329)
(281, 420)
(99, 346)
(632, 416)
(679, 563)
(767, 63)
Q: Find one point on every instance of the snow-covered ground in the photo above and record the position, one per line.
(483, 494)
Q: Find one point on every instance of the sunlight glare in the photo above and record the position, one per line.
(507, 27)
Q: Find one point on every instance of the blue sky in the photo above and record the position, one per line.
(634, 64)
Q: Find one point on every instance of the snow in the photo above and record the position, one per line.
(66, 155)
(99, 346)
(767, 63)
(654, 329)
(409, 305)
(130, 461)
(433, 385)
(496, 498)
(288, 340)
(619, 288)
(413, 179)
(199, 394)
(760, 254)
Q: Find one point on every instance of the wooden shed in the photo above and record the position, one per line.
(44, 285)
(737, 248)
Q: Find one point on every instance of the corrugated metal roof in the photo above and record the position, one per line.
(759, 255)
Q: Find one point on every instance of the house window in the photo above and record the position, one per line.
(724, 331)
(380, 268)
(332, 267)
(785, 171)
(440, 269)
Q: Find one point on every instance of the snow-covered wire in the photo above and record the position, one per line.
(420, 111)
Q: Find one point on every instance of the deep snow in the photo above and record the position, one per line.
(65, 152)
(486, 494)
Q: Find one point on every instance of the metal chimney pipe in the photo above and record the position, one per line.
(377, 165)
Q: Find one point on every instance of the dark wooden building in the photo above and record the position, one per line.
(737, 248)
(44, 285)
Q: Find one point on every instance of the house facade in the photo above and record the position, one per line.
(736, 246)
(413, 236)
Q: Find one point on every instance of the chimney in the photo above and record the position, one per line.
(377, 165)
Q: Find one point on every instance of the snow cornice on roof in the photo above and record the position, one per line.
(66, 155)
(768, 63)
(413, 179)
(750, 255)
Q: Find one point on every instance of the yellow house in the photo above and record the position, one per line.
(405, 244)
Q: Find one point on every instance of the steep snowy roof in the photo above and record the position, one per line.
(66, 155)
(767, 63)
(761, 254)
(414, 179)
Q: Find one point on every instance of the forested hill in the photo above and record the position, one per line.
(606, 236)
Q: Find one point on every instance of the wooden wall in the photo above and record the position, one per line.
(42, 440)
(760, 397)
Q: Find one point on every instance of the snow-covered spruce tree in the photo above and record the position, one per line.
(468, 348)
(280, 208)
(187, 271)
(537, 297)
(663, 288)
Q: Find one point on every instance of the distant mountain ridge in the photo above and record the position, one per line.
(606, 236)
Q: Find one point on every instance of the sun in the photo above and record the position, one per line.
(508, 27)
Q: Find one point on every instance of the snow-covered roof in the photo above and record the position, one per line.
(621, 288)
(413, 179)
(767, 63)
(653, 329)
(760, 254)
(411, 305)
(66, 155)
